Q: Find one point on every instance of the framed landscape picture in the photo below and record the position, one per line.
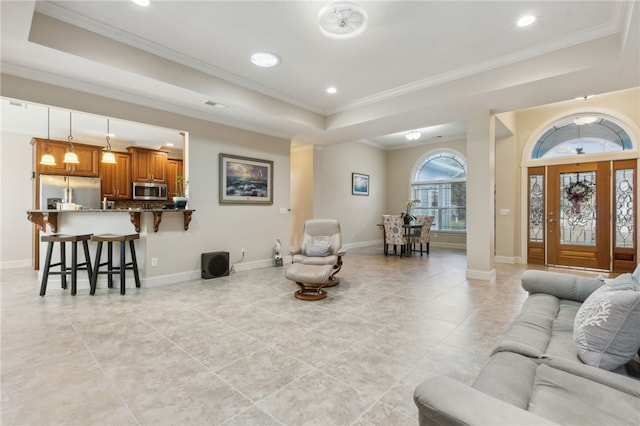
(245, 180)
(359, 184)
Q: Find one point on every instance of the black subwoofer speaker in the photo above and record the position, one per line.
(215, 264)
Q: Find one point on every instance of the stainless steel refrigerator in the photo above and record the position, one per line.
(83, 191)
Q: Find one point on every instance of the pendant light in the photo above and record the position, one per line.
(47, 158)
(70, 157)
(107, 155)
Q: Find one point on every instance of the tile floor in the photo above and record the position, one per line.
(241, 350)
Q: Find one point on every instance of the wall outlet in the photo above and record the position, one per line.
(154, 261)
(242, 251)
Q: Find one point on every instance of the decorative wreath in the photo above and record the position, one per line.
(577, 192)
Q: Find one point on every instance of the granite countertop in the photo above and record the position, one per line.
(50, 216)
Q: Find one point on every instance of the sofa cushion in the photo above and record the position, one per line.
(545, 325)
(606, 329)
(571, 399)
(509, 377)
(562, 391)
(563, 286)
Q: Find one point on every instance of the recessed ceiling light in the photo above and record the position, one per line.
(527, 20)
(142, 2)
(265, 59)
(169, 144)
(332, 90)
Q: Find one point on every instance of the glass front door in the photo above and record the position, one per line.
(583, 215)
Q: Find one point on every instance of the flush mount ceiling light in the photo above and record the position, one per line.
(332, 90)
(413, 135)
(342, 19)
(265, 59)
(527, 20)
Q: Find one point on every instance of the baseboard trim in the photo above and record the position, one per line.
(456, 246)
(481, 275)
(363, 244)
(505, 259)
(12, 264)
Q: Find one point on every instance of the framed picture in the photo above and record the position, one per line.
(359, 184)
(245, 180)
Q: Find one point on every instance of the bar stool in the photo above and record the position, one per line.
(111, 270)
(75, 266)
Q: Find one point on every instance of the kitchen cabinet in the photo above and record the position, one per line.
(116, 178)
(88, 155)
(175, 168)
(148, 165)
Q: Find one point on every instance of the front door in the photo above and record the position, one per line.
(583, 215)
(578, 215)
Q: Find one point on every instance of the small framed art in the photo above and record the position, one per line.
(245, 180)
(359, 184)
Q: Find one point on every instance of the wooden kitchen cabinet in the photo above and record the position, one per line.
(148, 165)
(175, 168)
(116, 178)
(88, 155)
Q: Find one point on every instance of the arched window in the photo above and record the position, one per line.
(581, 135)
(440, 184)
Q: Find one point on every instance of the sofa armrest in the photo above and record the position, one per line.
(444, 401)
(341, 251)
(563, 286)
(295, 250)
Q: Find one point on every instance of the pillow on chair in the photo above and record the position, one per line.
(319, 247)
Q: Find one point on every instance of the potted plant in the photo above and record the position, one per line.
(180, 198)
(406, 215)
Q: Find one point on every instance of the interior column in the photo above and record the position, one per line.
(480, 195)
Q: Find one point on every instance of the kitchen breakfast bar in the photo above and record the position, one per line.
(50, 217)
(120, 228)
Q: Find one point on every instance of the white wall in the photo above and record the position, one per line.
(213, 227)
(15, 199)
(332, 198)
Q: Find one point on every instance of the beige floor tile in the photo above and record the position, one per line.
(206, 400)
(326, 401)
(241, 350)
(262, 373)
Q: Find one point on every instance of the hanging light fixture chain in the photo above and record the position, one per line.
(70, 137)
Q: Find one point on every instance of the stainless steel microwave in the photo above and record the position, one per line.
(149, 191)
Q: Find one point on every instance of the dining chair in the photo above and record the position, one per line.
(422, 236)
(394, 233)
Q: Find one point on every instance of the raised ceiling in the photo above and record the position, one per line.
(419, 64)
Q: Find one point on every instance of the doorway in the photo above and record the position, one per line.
(583, 215)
